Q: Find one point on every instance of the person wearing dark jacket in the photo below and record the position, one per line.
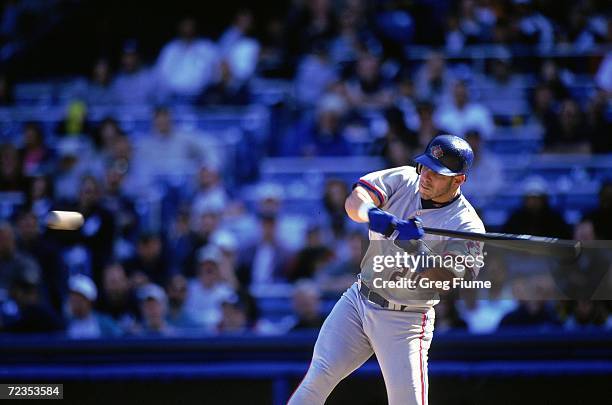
(536, 216)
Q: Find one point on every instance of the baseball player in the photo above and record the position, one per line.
(396, 323)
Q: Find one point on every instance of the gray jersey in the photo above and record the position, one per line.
(398, 191)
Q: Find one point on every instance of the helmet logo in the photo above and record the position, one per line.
(437, 152)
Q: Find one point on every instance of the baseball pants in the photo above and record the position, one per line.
(353, 331)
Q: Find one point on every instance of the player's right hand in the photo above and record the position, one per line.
(409, 229)
(391, 227)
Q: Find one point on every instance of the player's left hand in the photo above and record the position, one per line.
(408, 229)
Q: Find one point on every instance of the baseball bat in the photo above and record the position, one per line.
(560, 248)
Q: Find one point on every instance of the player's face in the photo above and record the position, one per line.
(434, 186)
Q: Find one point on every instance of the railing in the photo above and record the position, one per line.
(282, 360)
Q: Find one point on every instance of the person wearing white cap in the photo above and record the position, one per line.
(154, 308)
(207, 290)
(83, 321)
(536, 216)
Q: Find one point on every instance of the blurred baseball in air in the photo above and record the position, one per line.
(65, 220)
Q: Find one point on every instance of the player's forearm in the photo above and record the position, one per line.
(356, 203)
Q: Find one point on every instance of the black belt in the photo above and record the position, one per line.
(376, 298)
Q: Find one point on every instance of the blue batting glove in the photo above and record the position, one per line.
(381, 221)
(408, 229)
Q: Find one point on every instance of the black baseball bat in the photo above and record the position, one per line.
(560, 248)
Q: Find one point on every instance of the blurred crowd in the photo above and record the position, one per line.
(206, 265)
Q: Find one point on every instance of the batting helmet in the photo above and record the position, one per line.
(448, 155)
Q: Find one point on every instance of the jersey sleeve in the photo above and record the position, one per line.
(468, 253)
(383, 183)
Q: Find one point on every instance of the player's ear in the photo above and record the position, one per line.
(459, 180)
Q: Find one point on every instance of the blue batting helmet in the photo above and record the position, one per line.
(448, 155)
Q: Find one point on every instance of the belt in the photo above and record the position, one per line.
(376, 298)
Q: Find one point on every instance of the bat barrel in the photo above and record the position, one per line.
(560, 248)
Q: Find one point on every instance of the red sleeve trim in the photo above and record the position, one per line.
(374, 189)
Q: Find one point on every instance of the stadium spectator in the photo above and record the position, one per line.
(531, 313)
(72, 166)
(228, 265)
(534, 28)
(307, 22)
(35, 156)
(323, 135)
(334, 195)
(234, 318)
(173, 151)
(433, 79)
(207, 290)
(264, 262)
(83, 322)
(368, 88)
(11, 174)
(405, 99)
(543, 106)
(566, 134)
(121, 160)
(503, 92)
(98, 90)
(134, 84)
(306, 302)
(103, 138)
(584, 31)
(312, 257)
(204, 223)
(600, 126)
(13, 261)
(187, 65)
(461, 115)
(447, 316)
(586, 314)
(46, 252)
(98, 230)
(472, 25)
(241, 222)
(399, 144)
(603, 78)
(178, 316)
(39, 197)
(556, 79)
(154, 309)
(76, 122)
(354, 35)
(339, 275)
(117, 298)
(483, 310)
(123, 208)
(486, 175)
(150, 262)
(28, 312)
(238, 49)
(426, 128)
(315, 74)
(209, 188)
(228, 90)
(536, 216)
(601, 217)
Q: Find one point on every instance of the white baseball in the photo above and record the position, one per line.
(65, 220)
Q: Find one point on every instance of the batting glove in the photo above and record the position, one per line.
(408, 230)
(381, 221)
